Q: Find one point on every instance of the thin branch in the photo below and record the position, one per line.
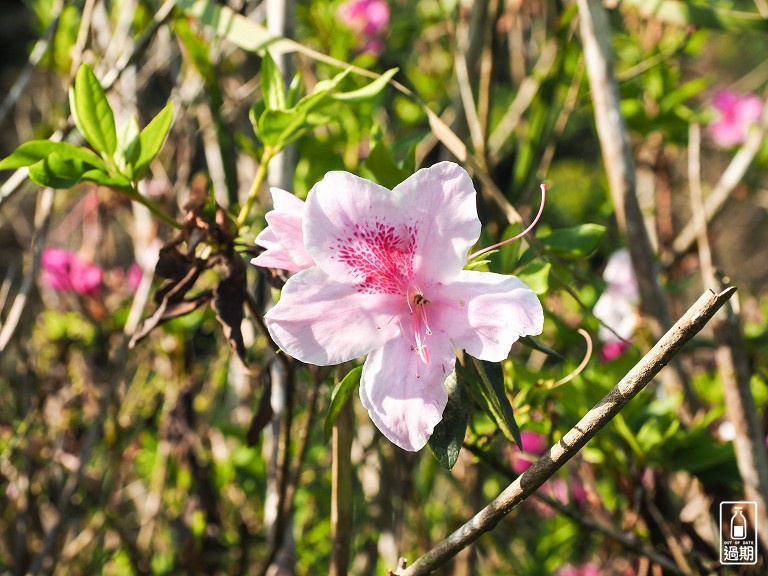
(732, 177)
(602, 413)
(341, 503)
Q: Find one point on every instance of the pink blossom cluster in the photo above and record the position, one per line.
(617, 306)
(381, 272)
(735, 114)
(368, 19)
(64, 271)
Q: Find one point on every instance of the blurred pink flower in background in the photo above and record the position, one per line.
(283, 237)
(368, 19)
(736, 112)
(617, 306)
(534, 444)
(134, 276)
(64, 271)
(584, 570)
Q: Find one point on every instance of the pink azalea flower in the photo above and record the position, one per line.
(736, 112)
(368, 19)
(534, 444)
(282, 238)
(55, 264)
(389, 282)
(64, 271)
(365, 17)
(617, 305)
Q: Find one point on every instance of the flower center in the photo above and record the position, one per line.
(417, 304)
(379, 256)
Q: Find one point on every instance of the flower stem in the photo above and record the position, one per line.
(258, 180)
(136, 196)
(523, 233)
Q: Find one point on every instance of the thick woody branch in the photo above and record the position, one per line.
(602, 413)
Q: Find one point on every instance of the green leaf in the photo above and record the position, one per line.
(279, 127)
(369, 91)
(92, 113)
(35, 150)
(448, 436)
(486, 386)
(272, 86)
(382, 166)
(339, 398)
(536, 275)
(118, 182)
(151, 140)
(686, 13)
(57, 172)
(536, 345)
(574, 243)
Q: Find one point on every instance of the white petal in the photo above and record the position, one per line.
(405, 397)
(320, 321)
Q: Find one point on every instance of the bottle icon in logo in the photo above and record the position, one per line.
(738, 525)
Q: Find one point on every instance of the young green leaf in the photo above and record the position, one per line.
(369, 91)
(340, 397)
(57, 172)
(536, 275)
(382, 166)
(35, 150)
(448, 435)
(151, 140)
(486, 385)
(99, 176)
(91, 112)
(574, 243)
(272, 86)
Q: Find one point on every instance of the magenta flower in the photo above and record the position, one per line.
(534, 445)
(283, 237)
(617, 306)
(368, 19)
(64, 271)
(736, 112)
(365, 17)
(389, 282)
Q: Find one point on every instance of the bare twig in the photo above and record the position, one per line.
(717, 198)
(341, 503)
(602, 413)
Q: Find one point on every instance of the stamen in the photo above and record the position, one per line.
(523, 233)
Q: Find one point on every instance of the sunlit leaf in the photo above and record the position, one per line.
(35, 150)
(91, 112)
(340, 396)
(151, 140)
(272, 86)
(369, 91)
(576, 242)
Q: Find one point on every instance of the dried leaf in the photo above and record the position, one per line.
(228, 301)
